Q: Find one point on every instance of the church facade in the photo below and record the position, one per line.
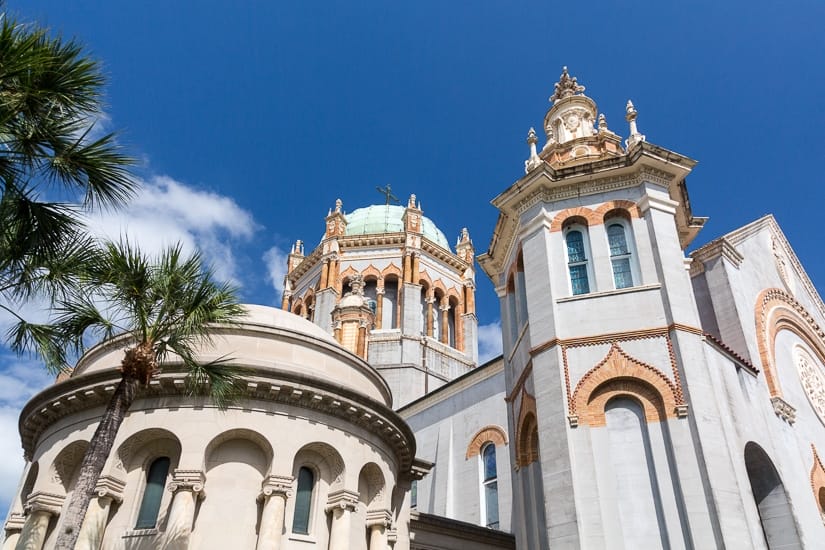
(645, 398)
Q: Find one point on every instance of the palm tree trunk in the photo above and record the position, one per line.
(93, 461)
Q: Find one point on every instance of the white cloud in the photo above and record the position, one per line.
(489, 341)
(20, 379)
(275, 259)
(167, 211)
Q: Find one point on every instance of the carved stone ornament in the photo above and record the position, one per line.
(110, 487)
(379, 517)
(565, 87)
(188, 480)
(277, 485)
(782, 266)
(41, 501)
(783, 409)
(812, 377)
(342, 500)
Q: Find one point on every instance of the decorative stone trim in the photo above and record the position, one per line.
(188, 480)
(527, 450)
(342, 499)
(15, 522)
(775, 311)
(110, 487)
(42, 501)
(621, 374)
(381, 517)
(783, 409)
(817, 482)
(488, 434)
(269, 384)
(276, 485)
(720, 247)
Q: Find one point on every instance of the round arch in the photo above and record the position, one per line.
(776, 311)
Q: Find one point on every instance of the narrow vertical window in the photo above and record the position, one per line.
(414, 494)
(490, 485)
(153, 493)
(303, 501)
(577, 263)
(619, 256)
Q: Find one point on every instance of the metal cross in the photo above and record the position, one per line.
(388, 194)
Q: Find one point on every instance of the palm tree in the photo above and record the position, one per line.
(50, 98)
(166, 307)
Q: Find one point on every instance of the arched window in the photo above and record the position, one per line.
(577, 262)
(303, 501)
(153, 493)
(620, 255)
(489, 485)
(390, 306)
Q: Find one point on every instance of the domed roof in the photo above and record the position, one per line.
(278, 318)
(386, 218)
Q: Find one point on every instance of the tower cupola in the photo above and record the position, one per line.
(573, 114)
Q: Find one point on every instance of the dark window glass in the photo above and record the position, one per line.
(578, 279)
(489, 462)
(575, 247)
(491, 499)
(303, 501)
(621, 273)
(414, 494)
(617, 240)
(152, 495)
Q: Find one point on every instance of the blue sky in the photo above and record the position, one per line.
(251, 118)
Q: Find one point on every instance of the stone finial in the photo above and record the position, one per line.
(602, 123)
(338, 205)
(356, 284)
(565, 87)
(411, 202)
(630, 116)
(534, 159)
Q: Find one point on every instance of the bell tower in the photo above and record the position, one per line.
(600, 335)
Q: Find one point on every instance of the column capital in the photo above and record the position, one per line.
(274, 485)
(342, 499)
(381, 518)
(41, 501)
(15, 522)
(110, 487)
(188, 480)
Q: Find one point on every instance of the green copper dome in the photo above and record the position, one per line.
(381, 218)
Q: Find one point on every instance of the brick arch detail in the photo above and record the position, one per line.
(578, 211)
(370, 273)
(630, 207)
(425, 280)
(620, 374)
(488, 434)
(391, 269)
(527, 450)
(775, 311)
(818, 481)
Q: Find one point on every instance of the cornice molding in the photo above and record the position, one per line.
(263, 384)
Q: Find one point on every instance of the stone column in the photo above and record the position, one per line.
(108, 490)
(407, 268)
(361, 349)
(416, 269)
(379, 306)
(14, 526)
(186, 488)
(340, 505)
(459, 327)
(275, 490)
(377, 522)
(41, 508)
(324, 275)
(430, 302)
(445, 326)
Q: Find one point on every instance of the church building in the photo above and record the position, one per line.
(646, 397)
